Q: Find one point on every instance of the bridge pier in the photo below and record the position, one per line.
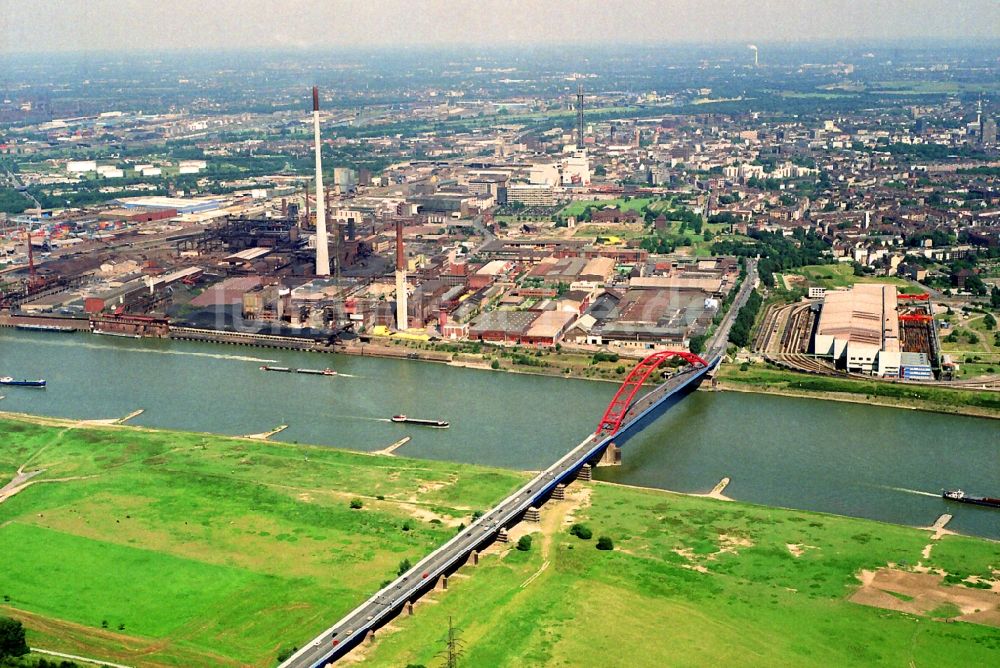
(612, 456)
(532, 515)
(473, 559)
(586, 473)
(370, 637)
(442, 583)
(559, 493)
(409, 608)
(502, 536)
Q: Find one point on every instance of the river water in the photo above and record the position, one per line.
(865, 461)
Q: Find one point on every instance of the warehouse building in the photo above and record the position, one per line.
(859, 329)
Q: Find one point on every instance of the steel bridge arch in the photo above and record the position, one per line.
(622, 401)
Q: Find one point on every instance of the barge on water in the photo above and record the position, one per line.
(308, 372)
(437, 424)
(7, 380)
(62, 329)
(962, 497)
(124, 335)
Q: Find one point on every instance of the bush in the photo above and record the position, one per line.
(495, 364)
(356, 504)
(286, 653)
(605, 543)
(524, 543)
(404, 566)
(12, 642)
(620, 369)
(581, 531)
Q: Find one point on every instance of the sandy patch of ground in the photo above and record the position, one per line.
(689, 554)
(798, 549)
(426, 515)
(730, 544)
(922, 593)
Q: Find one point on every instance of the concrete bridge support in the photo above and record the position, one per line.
(586, 473)
(502, 536)
(409, 608)
(612, 456)
(559, 493)
(473, 559)
(442, 583)
(532, 515)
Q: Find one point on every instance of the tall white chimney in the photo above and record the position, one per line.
(322, 247)
(402, 321)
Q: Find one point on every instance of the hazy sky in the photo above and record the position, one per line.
(78, 25)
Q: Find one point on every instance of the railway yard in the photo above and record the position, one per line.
(785, 333)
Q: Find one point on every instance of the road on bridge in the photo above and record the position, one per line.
(337, 640)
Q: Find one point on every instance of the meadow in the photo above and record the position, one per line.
(171, 548)
(693, 582)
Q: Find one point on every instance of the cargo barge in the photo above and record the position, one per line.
(123, 335)
(437, 424)
(46, 328)
(962, 497)
(7, 380)
(308, 372)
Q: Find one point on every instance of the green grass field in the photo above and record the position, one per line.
(634, 204)
(209, 550)
(694, 582)
(764, 378)
(842, 276)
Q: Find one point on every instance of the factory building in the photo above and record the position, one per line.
(859, 329)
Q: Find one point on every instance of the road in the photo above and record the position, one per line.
(337, 640)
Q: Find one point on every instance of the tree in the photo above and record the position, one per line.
(605, 543)
(495, 364)
(524, 543)
(404, 566)
(697, 344)
(989, 322)
(995, 297)
(12, 642)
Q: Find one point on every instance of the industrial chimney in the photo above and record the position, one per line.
(322, 247)
(401, 305)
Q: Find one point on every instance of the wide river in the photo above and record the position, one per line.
(880, 463)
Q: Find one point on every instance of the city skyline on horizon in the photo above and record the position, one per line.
(107, 26)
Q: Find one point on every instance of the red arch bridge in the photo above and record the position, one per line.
(622, 401)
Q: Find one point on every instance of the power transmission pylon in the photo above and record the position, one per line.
(454, 647)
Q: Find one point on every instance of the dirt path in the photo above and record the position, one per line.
(8, 493)
(19, 482)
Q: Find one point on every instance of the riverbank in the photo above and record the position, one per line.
(762, 379)
(224, 551)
